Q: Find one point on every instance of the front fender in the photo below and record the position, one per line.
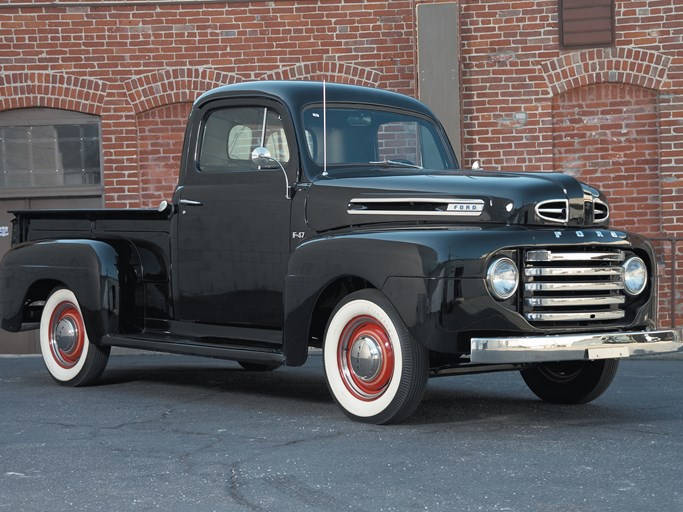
(89, 268)
(371, 256)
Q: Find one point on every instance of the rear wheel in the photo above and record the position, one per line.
(571, 382)
(69, 356)
(375, 370)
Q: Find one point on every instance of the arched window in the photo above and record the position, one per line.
(48, 148)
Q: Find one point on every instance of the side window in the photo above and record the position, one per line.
(231, 134)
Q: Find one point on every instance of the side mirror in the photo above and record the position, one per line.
(262, 158)
(165, 207)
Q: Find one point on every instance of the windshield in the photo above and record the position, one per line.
(375, 138)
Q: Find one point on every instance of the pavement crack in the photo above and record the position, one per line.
(236, 494)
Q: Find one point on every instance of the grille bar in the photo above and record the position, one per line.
(581, 287)
(575, 317)
(544, 255)
(574, 301)
(573, 286)
(574, 271)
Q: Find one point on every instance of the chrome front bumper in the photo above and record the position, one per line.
(536, 349)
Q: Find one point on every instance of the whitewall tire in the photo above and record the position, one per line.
(375, 370)
(68, 354)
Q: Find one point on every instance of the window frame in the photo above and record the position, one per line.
(249, 166)
(43, 116)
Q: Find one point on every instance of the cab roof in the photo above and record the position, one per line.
(297, 94)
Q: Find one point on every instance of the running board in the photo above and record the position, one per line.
(195, 348)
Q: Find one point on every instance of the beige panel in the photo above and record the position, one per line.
(438, 44)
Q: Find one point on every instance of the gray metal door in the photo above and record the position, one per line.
(438, 60)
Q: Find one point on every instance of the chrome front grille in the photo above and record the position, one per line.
(580, 287)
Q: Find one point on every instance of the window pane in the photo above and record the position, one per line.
(44, 156)
(240, 142)
(90, 131)
(47, 179)
(13, 134)
(70, 155)
(276, 142)
(69, 132)
(230, 136)
(91, 153)
(399, 142)
(17, 155)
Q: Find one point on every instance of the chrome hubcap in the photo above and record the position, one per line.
(66, 335)
(366, 358)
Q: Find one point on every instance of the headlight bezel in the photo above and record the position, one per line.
(495, 270)
(634, 291)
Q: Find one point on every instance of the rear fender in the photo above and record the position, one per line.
(89, 268)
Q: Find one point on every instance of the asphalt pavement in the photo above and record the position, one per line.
(172, 433)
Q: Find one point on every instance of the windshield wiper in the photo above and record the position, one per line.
(396, 163)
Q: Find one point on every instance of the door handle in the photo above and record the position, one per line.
(190, 202)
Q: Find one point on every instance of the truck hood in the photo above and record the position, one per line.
(456, 197)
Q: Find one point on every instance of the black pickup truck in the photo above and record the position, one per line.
(334, 216)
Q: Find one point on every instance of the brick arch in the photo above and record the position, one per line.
(331, 71)
(52, 90)
(625, 65)
(177, 85)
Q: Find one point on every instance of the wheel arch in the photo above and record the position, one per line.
(305, 326)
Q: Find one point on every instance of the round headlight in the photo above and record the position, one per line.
(635, 276)
(502, 278)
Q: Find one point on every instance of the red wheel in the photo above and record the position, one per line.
(68, 354)
(365, 358)
(375, 370)
(66, 334)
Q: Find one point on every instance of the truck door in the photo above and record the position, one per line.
(233, 219)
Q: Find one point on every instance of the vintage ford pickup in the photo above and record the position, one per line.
(334, 216)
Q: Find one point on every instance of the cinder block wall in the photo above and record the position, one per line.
(612, 116)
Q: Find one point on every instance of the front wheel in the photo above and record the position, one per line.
(571, 382)
(69, 356)
(375, 370)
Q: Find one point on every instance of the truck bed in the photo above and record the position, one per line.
(126, 223)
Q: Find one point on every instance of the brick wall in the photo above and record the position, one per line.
(140, 65)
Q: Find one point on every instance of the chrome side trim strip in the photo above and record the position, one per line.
(452, 206)
(573, 347)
